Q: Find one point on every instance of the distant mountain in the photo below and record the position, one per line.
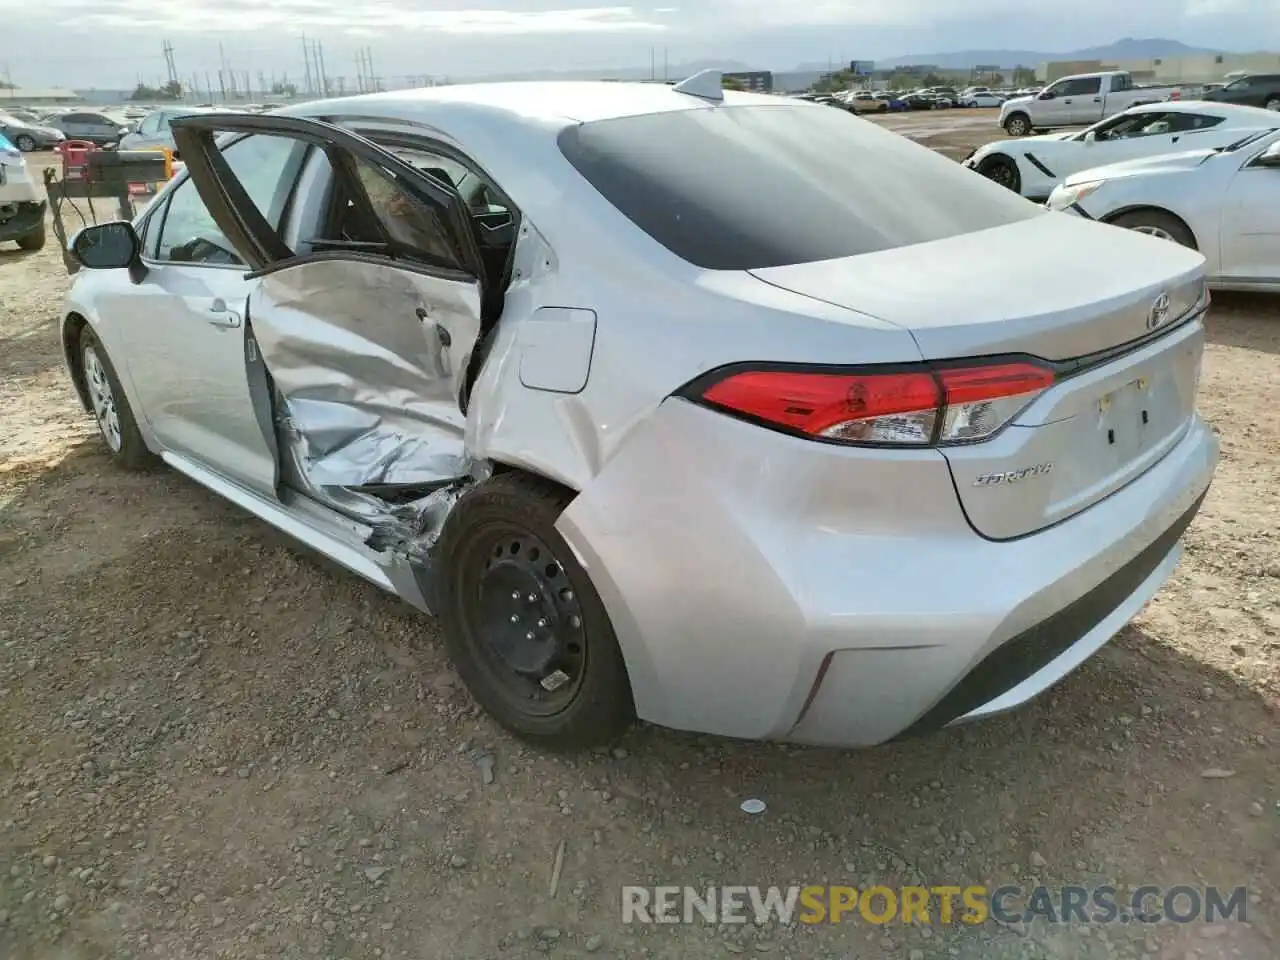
(1126, 49)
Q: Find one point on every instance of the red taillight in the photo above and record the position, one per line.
(917, 406)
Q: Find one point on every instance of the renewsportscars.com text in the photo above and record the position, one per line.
(938, 904)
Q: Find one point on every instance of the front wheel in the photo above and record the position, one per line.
(1002, 170)
(110, 406)
(1157, 223)
(25, 143)
(1274, 104)
(1017, 125)
(525, 627)
(33, 240)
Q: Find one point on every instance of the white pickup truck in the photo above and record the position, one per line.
(1084, 98)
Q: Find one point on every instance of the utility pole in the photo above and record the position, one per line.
(208, 85)
(324, 75)
(169, 64)
(368, 53)
(306, 62)
(222, 85)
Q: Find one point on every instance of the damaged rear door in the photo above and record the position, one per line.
(367, 328)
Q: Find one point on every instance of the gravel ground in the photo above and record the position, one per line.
(214, 745)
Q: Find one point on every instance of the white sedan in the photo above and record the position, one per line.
(1033, 166)
(1222, 202)
(981, 100)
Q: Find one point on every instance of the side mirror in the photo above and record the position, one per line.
(107, 246)
(1047, 95)
(1090, 139)
(1270, 157)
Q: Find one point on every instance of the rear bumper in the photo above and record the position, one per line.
(28, 218)
(763, 586)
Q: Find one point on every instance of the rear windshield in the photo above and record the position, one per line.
(742, 188)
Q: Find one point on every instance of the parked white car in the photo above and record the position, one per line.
(983, 99)
(21, 204)
(1033, 166)
(1222, 202)
(1082, 98)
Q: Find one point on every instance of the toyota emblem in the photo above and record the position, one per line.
(1159, 312)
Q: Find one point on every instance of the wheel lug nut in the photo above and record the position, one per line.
(515, 596)
(514, 618)
(532, 598)
(529, 635)
(542, 623)
(575, 621)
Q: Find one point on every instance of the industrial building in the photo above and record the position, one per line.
(1197, 68)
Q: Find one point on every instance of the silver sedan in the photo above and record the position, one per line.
(659, 402)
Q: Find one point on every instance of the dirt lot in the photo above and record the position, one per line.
(215, 746)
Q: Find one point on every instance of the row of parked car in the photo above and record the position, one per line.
(130, 127)
(926, 98)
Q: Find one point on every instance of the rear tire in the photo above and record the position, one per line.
(25, 143)
(1274, 104)
(1002, 170)
(1157, 223)
(1017, 125)
(33, 240)
(518, 608)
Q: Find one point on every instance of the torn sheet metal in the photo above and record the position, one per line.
(369, 360)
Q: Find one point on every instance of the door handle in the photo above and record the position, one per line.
(1066, 101)
(220, 315)
(1097, 99)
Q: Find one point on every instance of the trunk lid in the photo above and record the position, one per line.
(1055, 286)
(1062, 289)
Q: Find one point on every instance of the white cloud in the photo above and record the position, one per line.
(193, 16)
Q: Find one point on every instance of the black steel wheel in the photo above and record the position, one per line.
(1003, 171)
(526, 629)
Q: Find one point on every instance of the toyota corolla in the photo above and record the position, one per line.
(668, 402)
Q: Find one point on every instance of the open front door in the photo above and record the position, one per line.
(367, 319)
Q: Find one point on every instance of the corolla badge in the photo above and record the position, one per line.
(1012, 476)
(1159, 312)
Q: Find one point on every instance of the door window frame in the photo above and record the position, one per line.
(262, 246)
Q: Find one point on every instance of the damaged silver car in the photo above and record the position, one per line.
(669, 402)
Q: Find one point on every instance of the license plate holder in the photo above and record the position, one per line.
(1125, 416)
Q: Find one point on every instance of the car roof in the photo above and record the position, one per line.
(559, 103)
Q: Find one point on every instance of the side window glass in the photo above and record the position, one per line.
(266, 166)
(1184, 122)
(189, 234)
(420, 230)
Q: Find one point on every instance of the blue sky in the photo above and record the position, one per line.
(109, 43)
